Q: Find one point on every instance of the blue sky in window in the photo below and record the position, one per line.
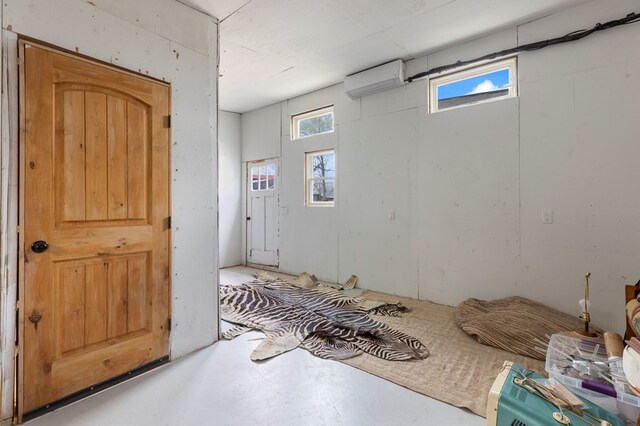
(330, 165)
(483, 83)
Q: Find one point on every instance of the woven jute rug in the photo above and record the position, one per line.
(459, 371)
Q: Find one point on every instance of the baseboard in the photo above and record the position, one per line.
(231, 266)
(264, 267)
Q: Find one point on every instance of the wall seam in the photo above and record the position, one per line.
(519, 226)
(217, 198)
(280, 179)
(337, 205)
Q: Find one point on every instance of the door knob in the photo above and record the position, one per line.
(39, 246)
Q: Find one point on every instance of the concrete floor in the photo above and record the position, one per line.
(220, 385)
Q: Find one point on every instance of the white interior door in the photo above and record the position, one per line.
(263, 242)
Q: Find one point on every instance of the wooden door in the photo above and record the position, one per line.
(95, 180)
(262, 209)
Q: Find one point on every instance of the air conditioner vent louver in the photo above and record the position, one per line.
(517, 422)
(377, 79)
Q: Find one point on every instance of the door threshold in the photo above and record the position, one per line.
(264, 267)
(77, 396)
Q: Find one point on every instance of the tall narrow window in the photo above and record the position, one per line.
(312, 123)
(320, 178)
(485, 83)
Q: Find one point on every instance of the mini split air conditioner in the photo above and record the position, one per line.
(383, 77)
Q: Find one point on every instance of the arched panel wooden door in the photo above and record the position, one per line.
(95, 195)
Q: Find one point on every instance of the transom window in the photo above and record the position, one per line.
(320, 178)
(312, 123)
(263, 177)
(485, 83)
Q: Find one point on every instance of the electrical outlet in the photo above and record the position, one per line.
(391, 215)
(547, 217)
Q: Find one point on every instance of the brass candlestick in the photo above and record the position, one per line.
(585, 312)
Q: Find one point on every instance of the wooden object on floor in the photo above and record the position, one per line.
(614, 344)
(630, 292)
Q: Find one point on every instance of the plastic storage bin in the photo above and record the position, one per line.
(626, 405)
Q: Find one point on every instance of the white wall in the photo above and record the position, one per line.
(468, 185)
(169, 41)
(230, 188)
(261, 134)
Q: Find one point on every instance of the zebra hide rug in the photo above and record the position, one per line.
(322, 320)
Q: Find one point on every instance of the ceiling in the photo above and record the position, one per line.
(271, 50)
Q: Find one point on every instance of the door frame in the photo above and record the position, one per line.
(9, 227)
(15, 139)
(245, 212)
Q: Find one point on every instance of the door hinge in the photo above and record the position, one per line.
(250, 252)
(167, 121)
(168, 222)
(169, 324)
(278, 252)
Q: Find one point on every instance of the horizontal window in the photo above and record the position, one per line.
(312, 123)
(320, 178)
(485, 83)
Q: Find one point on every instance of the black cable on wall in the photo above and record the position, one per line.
(572, 36)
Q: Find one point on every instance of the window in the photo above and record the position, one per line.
(312, 123)
(263, 178)
(475, 85)
(320, 178)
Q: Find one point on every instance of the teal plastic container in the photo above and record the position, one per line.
(511, 405)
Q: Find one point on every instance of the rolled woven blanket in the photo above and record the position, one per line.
(514, 324)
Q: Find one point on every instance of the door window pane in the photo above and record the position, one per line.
(271, 176)
(255, 178)
(263, 178)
